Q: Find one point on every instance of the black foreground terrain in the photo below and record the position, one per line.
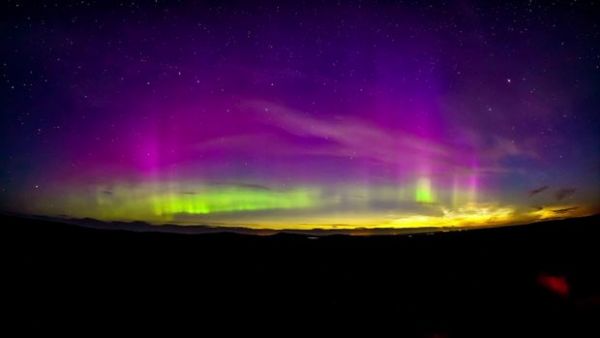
(535, 280)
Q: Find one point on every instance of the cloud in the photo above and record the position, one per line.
(538, 190)
(352, 137)
(288, 131)
(564, 193)
(565, 210)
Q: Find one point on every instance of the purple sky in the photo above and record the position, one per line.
(289, 114)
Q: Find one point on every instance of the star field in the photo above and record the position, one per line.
(301, 115)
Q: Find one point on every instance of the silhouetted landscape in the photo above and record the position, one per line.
(534, 280)
(313, 168)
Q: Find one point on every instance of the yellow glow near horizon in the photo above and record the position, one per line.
(558, 211)
(471, 215)
(300, 207)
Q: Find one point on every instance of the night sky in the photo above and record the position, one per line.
(300, 114)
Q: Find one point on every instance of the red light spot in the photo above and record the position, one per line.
(555, 284)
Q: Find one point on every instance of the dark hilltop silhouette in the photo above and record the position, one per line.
(534, 280)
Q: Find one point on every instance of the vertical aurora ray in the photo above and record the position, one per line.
(423, 190)
(473, 184)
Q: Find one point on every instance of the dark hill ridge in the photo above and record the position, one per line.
(140, 226)
(502, 282)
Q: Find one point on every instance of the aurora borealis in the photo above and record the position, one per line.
(301, 115)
